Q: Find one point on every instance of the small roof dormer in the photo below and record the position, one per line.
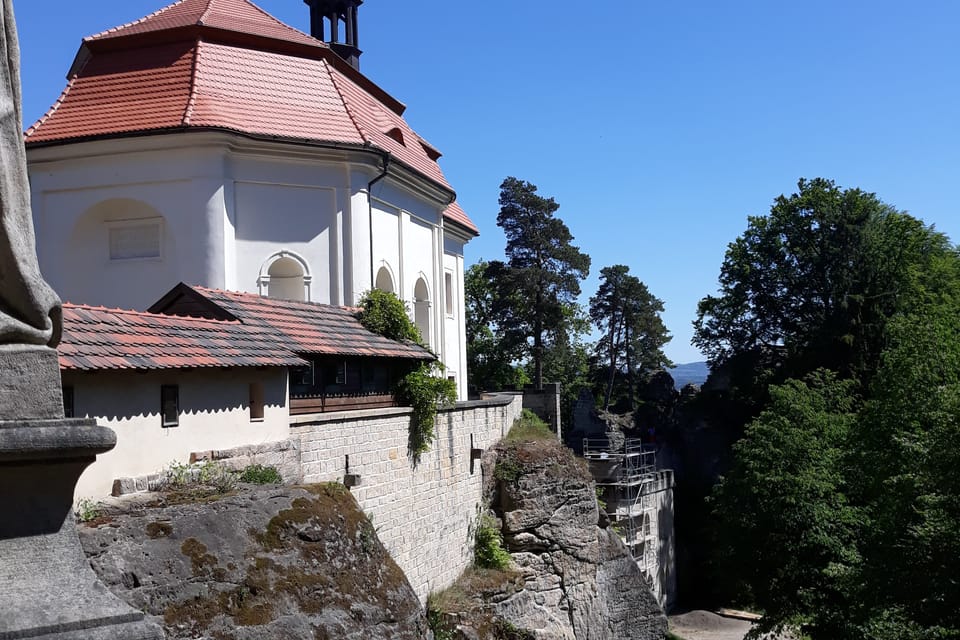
(335, 22)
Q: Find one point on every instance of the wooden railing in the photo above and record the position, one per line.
(301, 404)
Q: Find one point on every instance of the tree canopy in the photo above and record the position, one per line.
(841, 512)
(543, 269)
(814, 283)
(491, 354)
(628, 316)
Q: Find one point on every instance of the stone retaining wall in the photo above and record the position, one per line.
(424, 512)
(663, 573)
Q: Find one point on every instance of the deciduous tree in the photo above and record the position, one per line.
(786, 528)
(814, 283)
(491, 353)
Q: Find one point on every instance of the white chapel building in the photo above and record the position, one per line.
(209, 143)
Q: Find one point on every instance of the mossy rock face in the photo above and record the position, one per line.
(293, 562)
(568, 577)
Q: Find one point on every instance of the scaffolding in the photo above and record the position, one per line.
(629, 483)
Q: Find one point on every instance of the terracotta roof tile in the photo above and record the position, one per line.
(232, 15)
(269, 94)
(456, 213)
(100, 338)
(308, 327)
(147, 89)
(255, 88)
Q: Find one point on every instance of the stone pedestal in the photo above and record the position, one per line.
(47, 588)
(30, 383)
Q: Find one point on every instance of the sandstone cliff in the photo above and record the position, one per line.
(265, 563)
(572, 577)
(304, 563)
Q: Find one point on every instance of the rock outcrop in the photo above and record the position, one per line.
(283, 562)
(577, 581)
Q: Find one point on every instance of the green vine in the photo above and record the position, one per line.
(425, 392)
(423, 388)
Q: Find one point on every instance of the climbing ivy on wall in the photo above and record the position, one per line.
(422, 388)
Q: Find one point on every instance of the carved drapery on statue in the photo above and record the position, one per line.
(29, 309)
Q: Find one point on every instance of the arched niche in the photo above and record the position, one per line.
(384, 281)
(120, 252)
(421, 309)
(285, 275)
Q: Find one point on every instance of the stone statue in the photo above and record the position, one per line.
(30, 316)
(29, 309)
(47, 589)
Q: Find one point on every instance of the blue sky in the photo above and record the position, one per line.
(657, 126)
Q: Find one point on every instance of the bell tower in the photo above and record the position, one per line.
(331, 19)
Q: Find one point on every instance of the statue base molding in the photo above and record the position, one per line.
(47, 588)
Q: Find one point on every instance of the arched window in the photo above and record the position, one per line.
(384, 280)
(421, 309)
(285, 275)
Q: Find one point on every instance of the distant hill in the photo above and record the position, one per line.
(695, 372)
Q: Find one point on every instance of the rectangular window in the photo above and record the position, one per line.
(134, 240)
(170, 405)
(342, 372)
(448, 292)
(302, 376)
(256, 401)
(68, 411)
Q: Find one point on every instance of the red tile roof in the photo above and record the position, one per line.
(230, 15)
(97, 338)
(270, 94)
(229, 330)
(301, 327)
(227, 64)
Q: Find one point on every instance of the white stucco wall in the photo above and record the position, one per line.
(76, 201)
(423, 514)
(454, 324)
(272, 218)
(214, 414)
(227, 206)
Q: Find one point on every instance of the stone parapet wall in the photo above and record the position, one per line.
(423, 513)
(546, 404)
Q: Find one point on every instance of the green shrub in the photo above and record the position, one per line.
(488, 551)
(87, 510)
(178, 474)
(386, 315)
(260, 474)
(442, 630)
(601, 503)
(209, 474)
(219, 477)
(506, 630)
(508, 468)
(529, 427)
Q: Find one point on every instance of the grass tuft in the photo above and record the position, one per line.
(529, 428)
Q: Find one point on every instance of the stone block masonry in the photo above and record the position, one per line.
(424, 513)
(545, 403)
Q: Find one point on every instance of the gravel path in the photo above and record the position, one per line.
(705, 625)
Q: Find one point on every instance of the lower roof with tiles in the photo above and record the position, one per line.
(193, 327)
